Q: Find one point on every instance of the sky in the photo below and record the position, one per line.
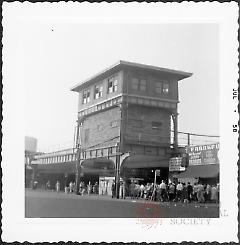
(49, 55)
(56, 56)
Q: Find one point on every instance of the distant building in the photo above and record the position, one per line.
(30, 151)
(30, 144)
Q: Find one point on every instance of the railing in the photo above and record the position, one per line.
(84, 154)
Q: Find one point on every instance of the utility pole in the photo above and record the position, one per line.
(117, 177)
(78, 157)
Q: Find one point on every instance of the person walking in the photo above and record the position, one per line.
(113, 189)
(48, 185)
(71, 187)
(89, 188)
(184, 194)
(189, 192)
(58, 186)
(195, 190)
(214, 197)
(208, 193)
(200, 193)
(171, 191)
(179, 191)
(163, 191)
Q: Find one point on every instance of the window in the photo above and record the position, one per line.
(158, 87)
(114, 124)
(162, 87)
(139, 84)
(165, 87)
(86, 135)
(99, 127)
(135, 123)
(156, 125)
(112, 84)
(98, 92)
(86, 96)
(143, 85)
(135, 83)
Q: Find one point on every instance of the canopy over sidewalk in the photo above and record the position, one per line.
(200, 171)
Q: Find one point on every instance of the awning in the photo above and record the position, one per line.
(200, 171)
(145, 161)
(98, 163)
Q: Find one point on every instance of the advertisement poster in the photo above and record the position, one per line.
(203, 154)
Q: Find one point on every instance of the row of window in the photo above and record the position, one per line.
(139, 124)
(64, 158)
(98, 90)
(161, 87)
(140, 84)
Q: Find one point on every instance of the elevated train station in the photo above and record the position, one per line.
(126, 114)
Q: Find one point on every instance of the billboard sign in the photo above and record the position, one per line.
(203, 154)
(175, 164)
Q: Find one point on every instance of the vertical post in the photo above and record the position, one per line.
(77, 175)
(155, 179)
(117, 177)
(188, 138)
(154, 185)
(175, 125)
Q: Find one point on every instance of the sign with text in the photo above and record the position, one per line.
(157, 172)
(203, 154)
(175, 164)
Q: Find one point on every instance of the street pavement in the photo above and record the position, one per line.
(50, 204)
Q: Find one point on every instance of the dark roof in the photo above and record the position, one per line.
(126, 64)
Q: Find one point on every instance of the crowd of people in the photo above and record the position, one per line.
(175, 192)
(172, 192)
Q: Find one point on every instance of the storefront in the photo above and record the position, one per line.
(142, 167)
(203, 164)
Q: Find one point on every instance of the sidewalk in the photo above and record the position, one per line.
(107, 197)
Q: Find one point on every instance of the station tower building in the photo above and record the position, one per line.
(131, 106)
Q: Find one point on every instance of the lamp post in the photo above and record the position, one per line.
(78, 157)
(117, 176)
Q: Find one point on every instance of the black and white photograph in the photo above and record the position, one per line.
(124, 120)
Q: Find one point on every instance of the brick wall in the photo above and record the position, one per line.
(98, 129)
(139, 126)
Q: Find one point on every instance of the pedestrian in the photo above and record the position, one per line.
(163, 191)
(113, 189)
(195, 190)
(35, 183)
(184, 193)
(171, 191)
(89, 188)
(208, 193)
(179, 190)
(132, 190)
(214, 197)
(48, 185)
(218, 191)
(148, 193)
(95, 188)
(70, 187)
(158, 193)
(200, 193)
(58, 186)
(141, 191)
(189, 192)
